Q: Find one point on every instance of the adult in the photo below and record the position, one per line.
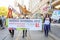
(47, 21)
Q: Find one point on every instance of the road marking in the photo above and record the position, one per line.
(18, 35)
(5, 37)
(28, 36)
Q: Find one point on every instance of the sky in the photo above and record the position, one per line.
(11, 2)
(6, 3)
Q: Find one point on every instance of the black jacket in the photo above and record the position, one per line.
(0, 21)
(49, 20)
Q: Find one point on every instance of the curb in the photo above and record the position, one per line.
(53, 36)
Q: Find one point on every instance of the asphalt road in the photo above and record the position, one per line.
(32, 35)
(55, 30)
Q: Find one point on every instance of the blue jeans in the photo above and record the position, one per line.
(46, 29)
(49, 27)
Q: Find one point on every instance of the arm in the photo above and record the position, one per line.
(50, 20)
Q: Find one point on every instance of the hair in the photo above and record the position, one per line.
(47, 15)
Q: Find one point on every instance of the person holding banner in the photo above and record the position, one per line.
(24, 12)
(47, 21)
(25, 31)
(11, 30)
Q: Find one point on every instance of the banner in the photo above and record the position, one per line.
(56, 14)
(29, 24)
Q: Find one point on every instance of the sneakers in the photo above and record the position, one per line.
(12, 35)
(23, 36)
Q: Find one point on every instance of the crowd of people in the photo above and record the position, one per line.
(46, 23)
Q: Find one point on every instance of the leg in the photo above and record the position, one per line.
(47, 33)
(12, 33)
(2, 25)
(23, 33)
(26, 33)
(45, 29)
(49, 27)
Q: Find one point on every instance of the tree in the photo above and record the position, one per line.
(3, 11)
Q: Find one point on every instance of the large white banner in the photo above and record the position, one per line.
(56, 14)
(30, 24)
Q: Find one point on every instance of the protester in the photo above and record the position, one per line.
(3, 21)
(24, 12)
(25, 31)
(11, 30)
(47, 21)
(0, 22)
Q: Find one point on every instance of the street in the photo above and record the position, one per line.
(55, 30)
(35, 16)
(32, 35)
